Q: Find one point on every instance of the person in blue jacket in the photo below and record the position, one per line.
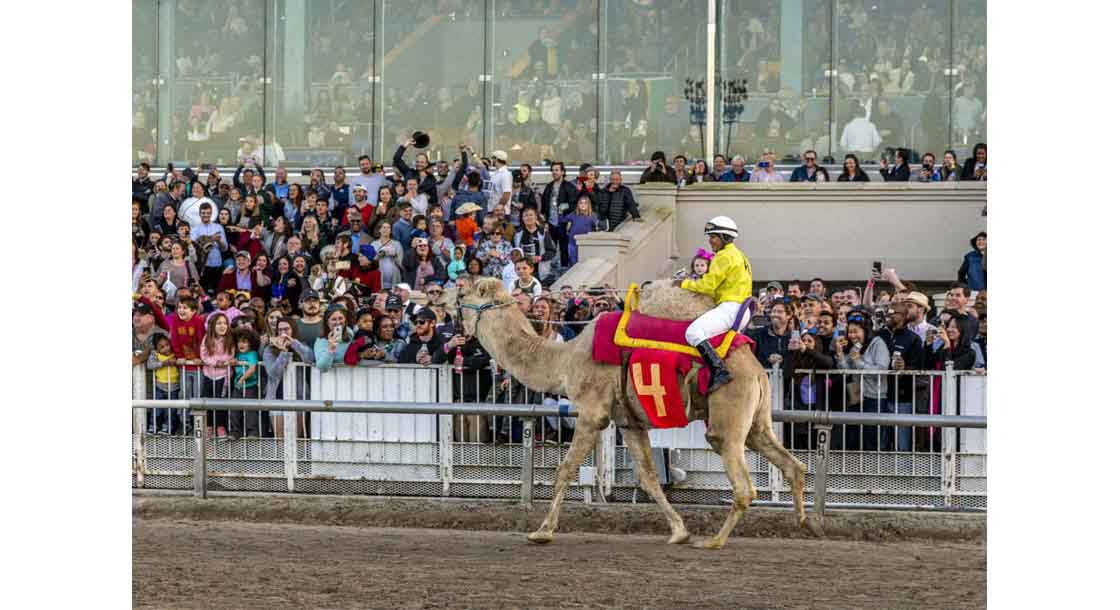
(974, 268)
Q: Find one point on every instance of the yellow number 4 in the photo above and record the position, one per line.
(654, 389)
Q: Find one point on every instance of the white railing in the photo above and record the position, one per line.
(488, 456)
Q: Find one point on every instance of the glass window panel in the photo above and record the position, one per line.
(433, 59)
(320, 99)
(891, 90)
(970, 83)
(145, 74)
(782, 52)
(652, 47)
(217, 81)
(545, 102)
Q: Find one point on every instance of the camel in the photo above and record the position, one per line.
(738, 413)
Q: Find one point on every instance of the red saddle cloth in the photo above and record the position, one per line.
(658, 389)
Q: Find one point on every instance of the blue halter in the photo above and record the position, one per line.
(480, 309)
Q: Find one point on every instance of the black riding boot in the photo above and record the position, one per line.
(720, 376)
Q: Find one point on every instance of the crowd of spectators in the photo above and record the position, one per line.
(235, 281)
(898, 76)
(682, 173)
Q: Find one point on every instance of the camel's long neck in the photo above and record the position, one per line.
(533, 360)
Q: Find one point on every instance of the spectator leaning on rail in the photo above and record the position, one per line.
(810, 171)
(974, 268)
(859, 348)
(976, 167)
(765, 170)
(424, 345)
(808, 388)
(282, 349)
(899, 171)
(738, 171)
(949, 170)
(657, 171)
(851, 171)
(617, 202)
(905, 348)
(772, 341)
(927, 171)
(728, 282)
(334, 337)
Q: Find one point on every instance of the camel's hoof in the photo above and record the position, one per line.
(814, 524)
(679, 537)
(541, 537)
(709, 544)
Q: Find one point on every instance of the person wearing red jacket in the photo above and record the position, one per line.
(187, 332)
(366, 273)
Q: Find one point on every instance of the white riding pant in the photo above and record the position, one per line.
(714, 322)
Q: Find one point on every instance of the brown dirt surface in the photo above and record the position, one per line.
(232, 564)
(506, 516)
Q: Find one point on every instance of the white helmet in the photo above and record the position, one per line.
(722, 225)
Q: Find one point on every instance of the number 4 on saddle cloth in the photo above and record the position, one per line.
(656, 356)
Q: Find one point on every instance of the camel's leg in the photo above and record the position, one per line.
(583, 441)
(733, 454)
(727, 434)
(764, 441)
(638, 442)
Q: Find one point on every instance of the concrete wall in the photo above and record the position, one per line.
(835, 231)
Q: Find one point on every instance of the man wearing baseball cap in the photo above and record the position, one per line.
(238, 277)
(424, 345)
(144, 329)
(502, 182)
(362, 204)
(309, 324)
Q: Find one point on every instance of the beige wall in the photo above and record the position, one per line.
(835, 231)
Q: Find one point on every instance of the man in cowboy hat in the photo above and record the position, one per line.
(728, 282)
(917, 306)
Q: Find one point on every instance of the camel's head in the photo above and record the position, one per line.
(474, 299)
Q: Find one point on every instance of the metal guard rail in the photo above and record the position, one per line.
(534, 410)
(821, 420)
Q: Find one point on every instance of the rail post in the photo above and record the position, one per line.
(527, 461)
(201, 440)
(139, 425)
(291, 430)
(446, 430)
(949, 436)
(820, 474)
(777, 403)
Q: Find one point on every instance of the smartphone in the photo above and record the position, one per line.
(877, 267)
(342, 265)
(764, 164)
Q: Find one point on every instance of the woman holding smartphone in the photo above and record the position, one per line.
(765, 171)
(334, 338)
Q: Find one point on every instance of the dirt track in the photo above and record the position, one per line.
(232, 564)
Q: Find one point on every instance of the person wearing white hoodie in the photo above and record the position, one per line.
(509, 270)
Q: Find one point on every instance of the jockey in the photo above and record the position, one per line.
(728, 282)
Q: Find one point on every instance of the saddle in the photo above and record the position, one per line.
(628, 329)
(653, 353)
